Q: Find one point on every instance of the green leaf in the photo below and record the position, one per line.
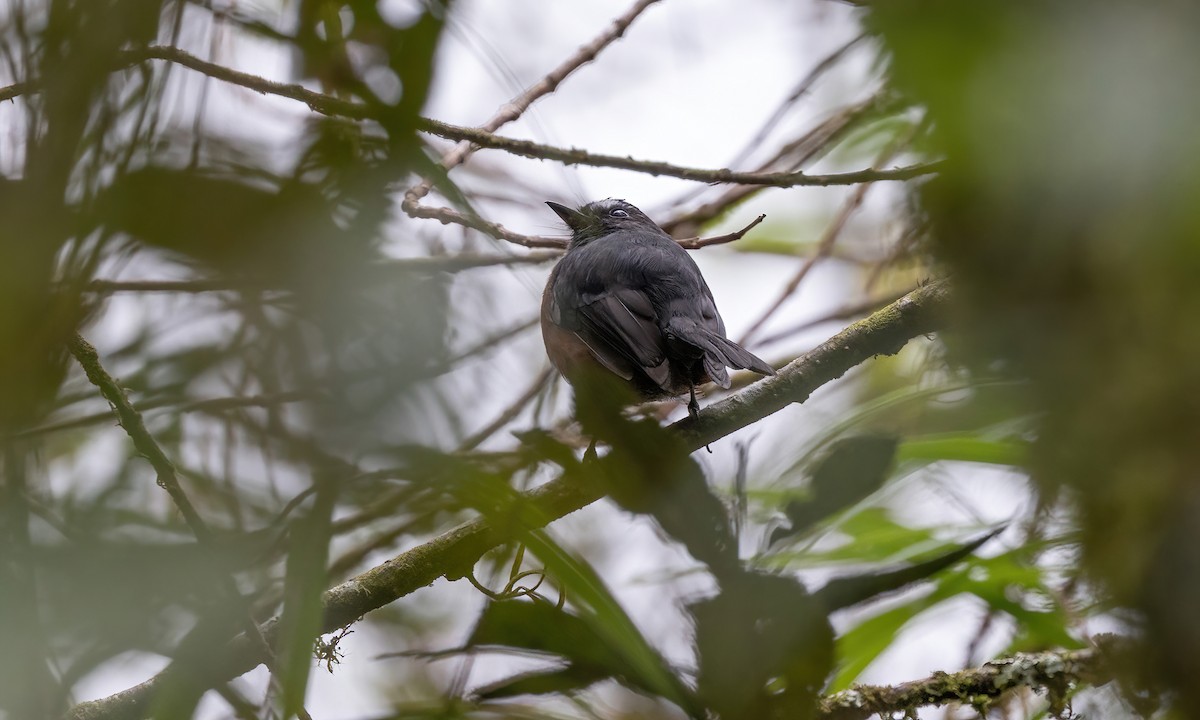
(645, 668)
(966, 447)
(873, 538)
(563, 680)
(846, 591)
(852, 469)
(858, 648)
(872, 409)
(540, 627)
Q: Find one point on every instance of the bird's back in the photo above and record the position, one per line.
(635, 301)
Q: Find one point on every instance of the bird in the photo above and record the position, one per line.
(626, 301)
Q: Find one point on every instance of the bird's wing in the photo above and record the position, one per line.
(620, 327)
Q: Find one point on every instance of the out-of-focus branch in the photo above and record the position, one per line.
(329, 105)
(828, 239)
(131, 420)
(383, 271)
(884, 332)
(845, 312)
(1055, 672)
(514, 409)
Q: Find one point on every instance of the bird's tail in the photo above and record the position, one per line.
(718, 351)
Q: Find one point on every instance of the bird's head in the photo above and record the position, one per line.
(601, 218)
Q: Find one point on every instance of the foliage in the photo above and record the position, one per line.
(307, 403)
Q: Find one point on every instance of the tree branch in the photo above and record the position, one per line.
(1054, 672)
(697, 243)
(383, 271)
(576, 156)
(329, 105)
(131, 420)
(883, 333)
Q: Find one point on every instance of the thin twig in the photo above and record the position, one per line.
(446, 216)
(167, 477)
(131, 420)
(697, 243)
(514, 108)
(513, 410)
(205, 405)
(577, 156)
(329, 105)
(845, 312)
(827, 241)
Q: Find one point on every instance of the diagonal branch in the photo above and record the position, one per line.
(131, 420)
(697, 243)
(1054, 672)
(883, 333)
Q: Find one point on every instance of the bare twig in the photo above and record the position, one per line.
(513, 410)
(697, 243)
(825, 244)
(576, 156)
(845, 312)
(447, 216)
(384, 271)
(329, 105)
(514, 108)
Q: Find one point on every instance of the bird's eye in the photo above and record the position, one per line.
(618, 212)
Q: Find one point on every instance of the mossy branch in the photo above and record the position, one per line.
(1055, 673)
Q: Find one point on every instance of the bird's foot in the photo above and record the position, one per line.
(694, 410)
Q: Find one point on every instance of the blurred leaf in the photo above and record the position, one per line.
(540, 627)
(564, 680)
(851, 469)
(867, 412)
(644, 667)
(873, 537)
(859, 647)
(300, 622)
(843, 592)
(764, 645)
(965, 448)
(992, 580)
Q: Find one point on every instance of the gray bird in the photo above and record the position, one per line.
(628, 300)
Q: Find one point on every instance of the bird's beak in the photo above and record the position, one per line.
(573, 218)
